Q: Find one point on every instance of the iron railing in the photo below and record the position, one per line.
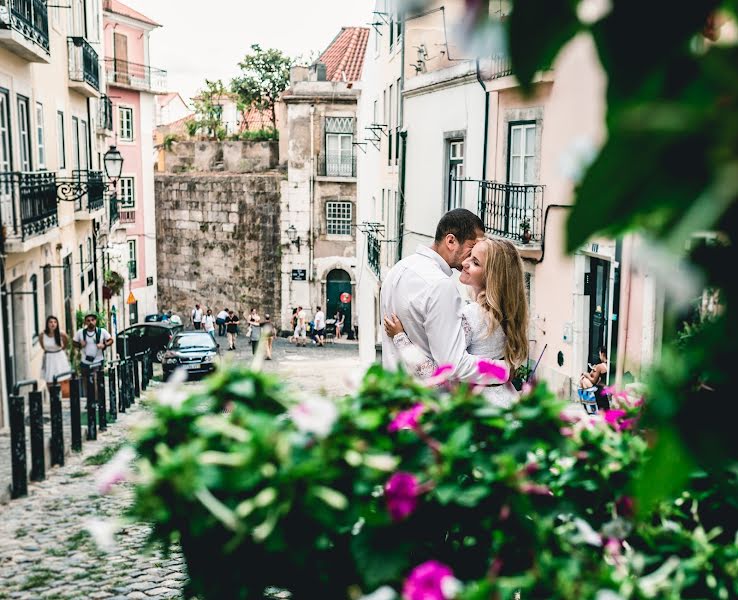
(95, 190)
(333, 165)
(84, 65)
(27, 204)
(501, 66)
(506, 207)
(128, 215)
(114, 214)
(135, 75)
(105, 114)
(373, 253)
(29, 18)
(81, 185)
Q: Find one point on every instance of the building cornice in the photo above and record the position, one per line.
(450, 77)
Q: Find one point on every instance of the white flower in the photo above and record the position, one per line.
(577, 158)
(451, 587)
(591, 11)
(314, 415)
(607, 595)
(383, 593)
(585, 534)
(652, 583)
(116, 470)
(102, 533)
(172, 394)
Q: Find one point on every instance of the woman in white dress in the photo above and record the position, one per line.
(496, 322)
(54, 343)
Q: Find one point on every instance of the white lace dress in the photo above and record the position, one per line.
(478, 343)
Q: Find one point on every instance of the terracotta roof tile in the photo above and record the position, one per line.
(117, 7)
(344, 57)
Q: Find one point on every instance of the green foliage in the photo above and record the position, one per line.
(209, 111)
(257, 135)
(114, 281)
(521, 498)
(265, 74)
(98, 312)
(169, 141)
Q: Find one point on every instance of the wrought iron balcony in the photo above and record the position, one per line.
(501, 66)
(128, 215)
(505, 208)
(105, 114)
(373, 253)
(333, 165)
(84, 66)
(135, 76)
(24, 29)
(114, 211)
(85, 188)
(27, 204)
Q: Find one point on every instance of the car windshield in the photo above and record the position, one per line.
(192, 341)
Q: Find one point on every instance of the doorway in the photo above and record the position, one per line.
(338, 282)
(599, 272)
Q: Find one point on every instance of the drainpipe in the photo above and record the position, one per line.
(400, 121)
(312, 199)
(486, 123)
(403, 137)
(6, 327)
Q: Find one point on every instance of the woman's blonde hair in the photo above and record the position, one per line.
(503, 298)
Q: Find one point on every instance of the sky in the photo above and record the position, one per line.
(206, 39)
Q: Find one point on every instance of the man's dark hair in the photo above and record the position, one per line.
(318, 307)
(462, 223)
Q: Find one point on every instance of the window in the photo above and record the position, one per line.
(5, 156)
(397, 120)
(24, 131)
(338, 217)
(522, 153)
(40, 136)
(339, 137)
(81, 269)
(34, 295)
(454, 189)
(75, 142)
(61, 148)
(84, 141)
(390, 122)
(127, 197)
(383, 201)
(48, 293)
(90, 262)
(132, 262)
(125, 120)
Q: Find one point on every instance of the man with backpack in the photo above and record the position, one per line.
(92, 341)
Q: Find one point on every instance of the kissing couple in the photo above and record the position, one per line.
(426, 318)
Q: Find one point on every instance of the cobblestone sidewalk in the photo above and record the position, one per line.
(46, 552)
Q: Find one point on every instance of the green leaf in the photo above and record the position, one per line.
(459, 439)
(538, 30)
(471, 496)
(381, 555)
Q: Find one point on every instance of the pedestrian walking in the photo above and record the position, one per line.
(232, 329)
(293, 326)
(254, 335)
(268, 333)
(319, 320)
(208, 323)
(54, 342)
(220, 321)
(339, 324)
(301, 328)
(92, 341)
(196, 317)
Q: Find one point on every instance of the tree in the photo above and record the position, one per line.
(209, 110)
(265, 74)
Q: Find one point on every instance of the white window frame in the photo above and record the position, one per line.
(84, 140)
(127, 194)
(5, 131)
(24, 133)
(40, 138)
(132, 256)
(456, 164)
(339, 216)
(61, 141)
(125, 124)
(519, 176)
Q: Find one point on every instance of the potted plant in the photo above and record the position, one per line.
(114, 282)
(525, 230)
(521, 376)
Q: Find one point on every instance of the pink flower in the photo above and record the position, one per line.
(495, 370)
(401, 492)
(625, 506)
(612, 418)
(431, 580)
(626, 424)
(535, 489)
(406, 419)
(115, 471)
(567, 431)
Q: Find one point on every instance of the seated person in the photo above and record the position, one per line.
(596, 377)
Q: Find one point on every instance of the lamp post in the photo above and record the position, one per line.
(113, 163)
(293, 237)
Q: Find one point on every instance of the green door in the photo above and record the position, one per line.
(339, 282)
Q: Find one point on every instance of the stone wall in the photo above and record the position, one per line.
(231, 157)
(218, 241)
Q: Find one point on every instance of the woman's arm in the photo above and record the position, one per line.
(64, 340)
(41, 341)
(422, 365)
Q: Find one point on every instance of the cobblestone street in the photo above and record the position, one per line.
(45, 550)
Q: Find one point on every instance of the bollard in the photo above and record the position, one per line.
(75, 413)
(57, 427)
(151, 367)
(121, 386)
(16, 408)
(100, 392)
(91, 406)
(136, 378)
(113, 393)
(36, 414)
(144, 371)
(131, 382)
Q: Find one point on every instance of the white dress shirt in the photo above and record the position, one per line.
(420, 291)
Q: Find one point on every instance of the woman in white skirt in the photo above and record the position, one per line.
(54, 343)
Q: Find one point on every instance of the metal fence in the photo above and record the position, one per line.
(28, 204)
(84, 64)
(107, 392)
(135, 75)
(30, 18)
(330, 165)
(506, 209)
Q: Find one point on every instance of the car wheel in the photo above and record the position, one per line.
(160, 356)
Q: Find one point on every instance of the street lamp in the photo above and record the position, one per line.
(113, 162)
(293, 237)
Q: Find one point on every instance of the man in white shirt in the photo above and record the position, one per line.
(196, 317)
(319, 320)
(220, 320)
(421, 292)
(92, 341)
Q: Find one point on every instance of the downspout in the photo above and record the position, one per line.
(311, 278)
(403, 137)
(486, 123)
(400, 121)
(6, 326)
(95, 225)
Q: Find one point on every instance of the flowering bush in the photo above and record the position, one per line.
(400, 489)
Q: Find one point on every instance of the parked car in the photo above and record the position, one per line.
(146, 336)
(154, 318)
(195, 351)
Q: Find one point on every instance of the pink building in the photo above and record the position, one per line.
(132, 88)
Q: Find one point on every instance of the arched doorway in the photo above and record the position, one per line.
(337, 283)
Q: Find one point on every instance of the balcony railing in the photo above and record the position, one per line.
(501, 66)
(87, 188)
(84, 65)
(27, 204)
(330, 165)
(29, 18)
(504, 207)
(373, 253)
(135, 75)
(128, 215)
(114, 211)
(105, 114)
